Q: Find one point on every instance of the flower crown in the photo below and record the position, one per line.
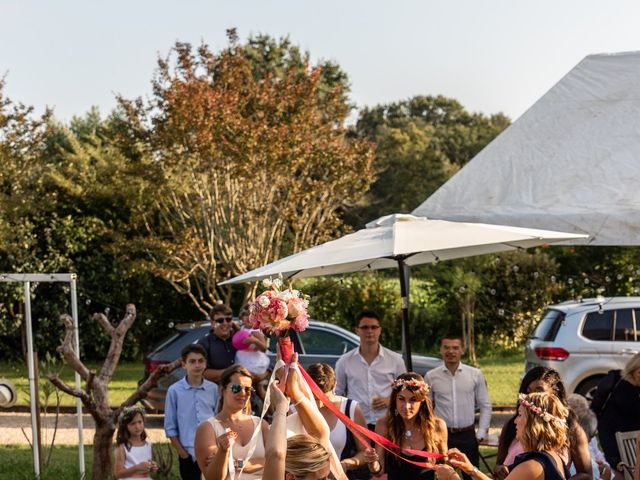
(412, 384)
(546, 416)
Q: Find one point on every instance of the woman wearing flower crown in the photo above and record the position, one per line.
(541, 427)
(410, 423)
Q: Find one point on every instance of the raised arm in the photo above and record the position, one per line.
(276, 448)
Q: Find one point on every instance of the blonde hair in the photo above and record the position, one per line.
(305, 456)
(632, 365)
(542, 432)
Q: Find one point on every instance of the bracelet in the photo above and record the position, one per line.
(377, 470)
(473, 472)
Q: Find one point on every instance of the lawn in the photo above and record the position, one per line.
(503, 377)
(124, 382)
(501, 372)
(17, 464)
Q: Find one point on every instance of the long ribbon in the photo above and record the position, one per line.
(359, 430)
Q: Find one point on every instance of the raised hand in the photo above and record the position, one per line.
(226, 440)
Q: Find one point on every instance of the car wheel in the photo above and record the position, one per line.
(588, 387)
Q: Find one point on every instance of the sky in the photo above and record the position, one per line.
(491, 55)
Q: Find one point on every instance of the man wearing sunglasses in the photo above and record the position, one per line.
(220, 351)
(365, 374)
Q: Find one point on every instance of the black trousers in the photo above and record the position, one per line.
(189, 469)
(467, 443)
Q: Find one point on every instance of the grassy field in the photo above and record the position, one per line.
(502, 375)
(17, 464)
(124, 382)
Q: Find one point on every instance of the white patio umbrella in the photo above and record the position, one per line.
(400, 241)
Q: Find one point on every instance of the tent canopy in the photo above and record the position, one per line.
(570, 163)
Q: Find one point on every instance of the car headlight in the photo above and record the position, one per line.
(8, 395)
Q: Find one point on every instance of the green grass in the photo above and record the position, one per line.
(17, 464)
(503, 377)
(124, 382)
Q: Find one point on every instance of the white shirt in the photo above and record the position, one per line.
(358, 380)
(455, 397)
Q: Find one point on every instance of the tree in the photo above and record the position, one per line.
(95, 396)
(421, 142)
(253, 160)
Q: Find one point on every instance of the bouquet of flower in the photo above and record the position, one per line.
(278, 310)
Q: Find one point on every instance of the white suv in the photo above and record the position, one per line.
(585, 339)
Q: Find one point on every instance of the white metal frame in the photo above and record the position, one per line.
(26, 279)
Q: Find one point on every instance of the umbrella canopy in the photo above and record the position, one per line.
(400, 241)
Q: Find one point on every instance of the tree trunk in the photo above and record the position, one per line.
(103, 450)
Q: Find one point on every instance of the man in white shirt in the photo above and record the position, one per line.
(365, 374)
(456, 390)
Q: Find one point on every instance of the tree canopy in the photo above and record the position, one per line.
(252, 156)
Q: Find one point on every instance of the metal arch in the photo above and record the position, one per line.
(26, 279)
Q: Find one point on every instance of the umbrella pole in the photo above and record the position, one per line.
(404, 293)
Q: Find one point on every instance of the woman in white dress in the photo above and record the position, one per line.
(223, 444)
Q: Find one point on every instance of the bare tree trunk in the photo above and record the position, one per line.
(95, 396)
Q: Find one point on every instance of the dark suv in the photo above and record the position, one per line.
(320, 342)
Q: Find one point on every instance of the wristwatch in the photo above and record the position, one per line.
(238, 463)
(473, 472)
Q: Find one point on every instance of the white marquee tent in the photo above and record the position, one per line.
(570, 163)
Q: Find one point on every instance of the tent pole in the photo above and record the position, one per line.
(74, 315)
(404, 294)
(32, 380)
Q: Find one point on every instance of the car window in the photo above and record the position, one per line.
(548, 326)
(598, 326)
(625, 326)
(322, 342)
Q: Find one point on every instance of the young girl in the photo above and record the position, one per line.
(133, 452)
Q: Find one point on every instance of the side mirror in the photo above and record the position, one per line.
(8, 394)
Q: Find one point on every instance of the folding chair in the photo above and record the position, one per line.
(627, 447)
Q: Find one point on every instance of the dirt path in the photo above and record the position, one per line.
(12, 425)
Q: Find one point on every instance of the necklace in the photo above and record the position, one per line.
(408, 434)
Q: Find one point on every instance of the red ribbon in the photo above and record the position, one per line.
(358, 430)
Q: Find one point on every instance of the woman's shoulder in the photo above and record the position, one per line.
(529, 467)
(440, 423)
(381, 425)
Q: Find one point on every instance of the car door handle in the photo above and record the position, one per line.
(629, 350)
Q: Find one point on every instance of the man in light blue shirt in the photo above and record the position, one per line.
(189, 402)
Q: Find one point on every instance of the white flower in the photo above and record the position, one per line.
(277, 283)
(266, 283)
(285, 295)
(295, 293)
(263, 301)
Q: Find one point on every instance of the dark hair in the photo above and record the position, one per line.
(123, 437)
(244, 311)
(425, 416)
(553, 380)
(220, 308)
(193, 348)
(225, 380)
(323, 375)
(367, 314)
(452, 336)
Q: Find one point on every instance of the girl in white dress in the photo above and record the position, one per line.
(133, 452)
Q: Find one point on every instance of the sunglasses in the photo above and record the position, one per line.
(369, 327)
(223, 319)
(237, 388)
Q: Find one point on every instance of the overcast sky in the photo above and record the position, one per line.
(491, 55)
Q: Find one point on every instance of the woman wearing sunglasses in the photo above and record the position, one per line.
(223, 443)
